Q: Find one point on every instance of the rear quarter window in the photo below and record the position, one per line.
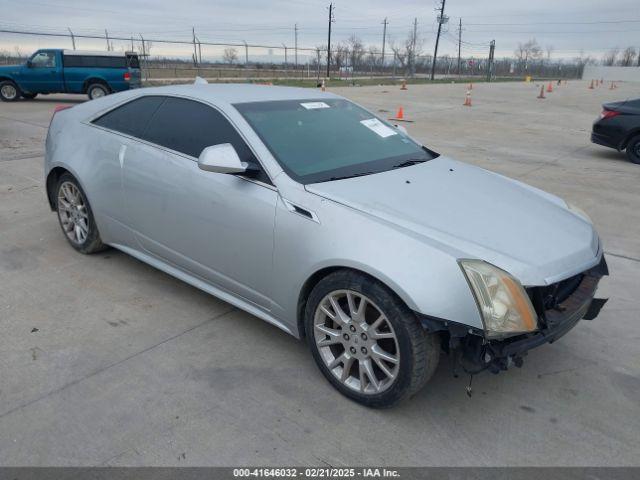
(132, 117)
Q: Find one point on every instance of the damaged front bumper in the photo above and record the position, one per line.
(559, 307)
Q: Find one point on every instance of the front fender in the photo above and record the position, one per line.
(426, 278)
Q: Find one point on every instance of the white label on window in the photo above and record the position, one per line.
(378, 127)
(314, 105)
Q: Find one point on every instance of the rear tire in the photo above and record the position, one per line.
(633, 149)
(353, 345)
(97, 90)
(75, 216)
(9, 91)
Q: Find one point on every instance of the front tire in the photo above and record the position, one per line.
(366, 341)
(97, 90)
(9, 91)
(75, 216)
(633, 150)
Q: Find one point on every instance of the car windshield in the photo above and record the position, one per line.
(330, 139)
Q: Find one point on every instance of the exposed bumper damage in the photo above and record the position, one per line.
(559, 307)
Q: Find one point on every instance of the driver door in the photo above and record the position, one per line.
(218, 227)
(43, 73)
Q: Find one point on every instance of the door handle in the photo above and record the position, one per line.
(123, 150)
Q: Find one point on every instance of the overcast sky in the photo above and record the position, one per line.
(569, 26)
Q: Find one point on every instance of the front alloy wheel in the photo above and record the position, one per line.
(366, 341)
(356, 341)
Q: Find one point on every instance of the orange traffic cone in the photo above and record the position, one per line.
(404, 84)
(549, 88)
(541, 92)
(467, 99)
(400, 116)
(591, 86)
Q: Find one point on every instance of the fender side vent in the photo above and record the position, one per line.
(302, 211)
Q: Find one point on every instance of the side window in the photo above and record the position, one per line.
(94, 61)
(131, 118)
(44, 60)
(189, 127)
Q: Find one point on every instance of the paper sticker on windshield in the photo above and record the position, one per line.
(314, 105)
(378, 127)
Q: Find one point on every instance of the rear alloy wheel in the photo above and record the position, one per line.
(97, 90)
(9, 91)
(633, 149)
(367, 343)
(75, 216)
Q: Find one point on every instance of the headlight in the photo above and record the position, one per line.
(503, 302)
(578, 211)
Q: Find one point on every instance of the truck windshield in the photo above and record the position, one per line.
(329, 139)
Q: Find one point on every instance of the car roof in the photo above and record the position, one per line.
(233, 93)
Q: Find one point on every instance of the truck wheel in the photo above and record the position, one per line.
(97, 90)
(633, 149)
(9, 91)
(29, 96)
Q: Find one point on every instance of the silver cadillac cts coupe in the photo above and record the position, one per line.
(308, 211)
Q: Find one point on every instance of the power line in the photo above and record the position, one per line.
(558, 23)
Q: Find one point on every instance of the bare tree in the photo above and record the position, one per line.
(628, 55)
(374, 57)
(610, 57)
(17, 51)
(356, 51)
(340, 55)
(549, 49)
(230, 55)
(528, 51)
(399, 53)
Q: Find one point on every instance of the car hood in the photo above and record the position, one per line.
(474, 213)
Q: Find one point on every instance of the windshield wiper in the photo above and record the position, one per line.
(360, 174)
(408, 163)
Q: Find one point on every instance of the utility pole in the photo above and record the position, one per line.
(73, 39)
(384, 39)
(412, 67)
(195, 51)
(492, 47)
(441, 20)
(106, 35)
(459, 44)
(331, 20)
(295, 30)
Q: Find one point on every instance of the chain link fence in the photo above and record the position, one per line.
(166, 61)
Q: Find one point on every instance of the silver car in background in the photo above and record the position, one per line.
(309, 212)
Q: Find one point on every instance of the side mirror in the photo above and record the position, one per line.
(221, 158)
(29, 64)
